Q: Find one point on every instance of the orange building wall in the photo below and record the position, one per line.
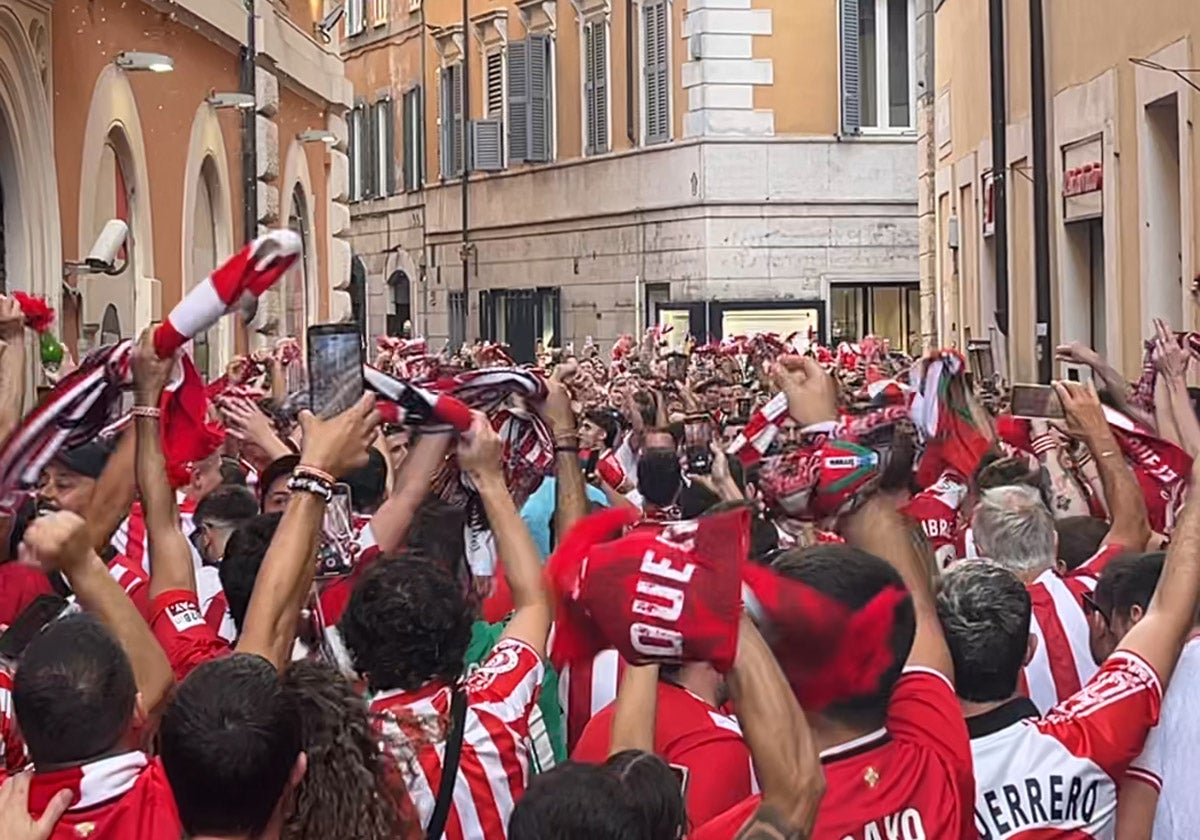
(86, 38)
(804, 56)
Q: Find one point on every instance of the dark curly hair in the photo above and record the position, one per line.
(349, 788)
(408, 622)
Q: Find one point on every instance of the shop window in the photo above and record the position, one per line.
(521, 318)
(891, 311)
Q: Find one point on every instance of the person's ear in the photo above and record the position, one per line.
(1136, 613)
(1060, 566)
(140, 715)
(1030, 648)
(298, 770)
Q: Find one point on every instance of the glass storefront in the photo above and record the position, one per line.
(891, 311)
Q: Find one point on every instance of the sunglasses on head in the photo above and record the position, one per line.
(1090, 608)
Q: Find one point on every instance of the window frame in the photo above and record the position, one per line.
(355, 125)
(356, 17)
(883, 71)
(414, 176)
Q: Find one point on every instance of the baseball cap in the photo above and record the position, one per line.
(87, 460)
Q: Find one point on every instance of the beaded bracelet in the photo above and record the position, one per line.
(150, 411)
(313, 472)
(310, 484)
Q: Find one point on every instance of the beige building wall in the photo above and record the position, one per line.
(757, 200)
(1130, 256)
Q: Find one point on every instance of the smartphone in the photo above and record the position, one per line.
(43, 610)
(336, 550)
(335, 362)
(745, 406)
(697, 436)
(589, 468)
(677, 367)
(1036, 401)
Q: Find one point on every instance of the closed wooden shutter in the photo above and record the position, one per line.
(657, 72)
(595, 51)
(851, 68)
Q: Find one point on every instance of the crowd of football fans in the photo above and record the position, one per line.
(757, 588)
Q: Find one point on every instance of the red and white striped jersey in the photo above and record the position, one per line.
(1062, 661)
(130, 536)
(494, 765)
(12, 747)
(1056, 778)
(587, 687)
(133, 580)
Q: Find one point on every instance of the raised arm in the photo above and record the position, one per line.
(1171, 397)
(114, 494)
(1159, 636)
(635, 714)
(12, 365)
(332, 448)
(391, 522)
(171, 566)
(781, 744)
(479, 457)
(61, 541)
(879, 529)
(570, 488)
(1129, 526)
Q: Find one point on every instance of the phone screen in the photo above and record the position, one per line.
(677, 367)
(1036, 401)
(336, 550)
(335, 360)
(697, 435)
(43, 610)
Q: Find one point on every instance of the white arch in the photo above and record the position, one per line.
(113, 118)
(207, 143)
(32, 229)
(295, 171)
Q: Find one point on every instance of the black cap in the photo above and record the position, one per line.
(87, 460)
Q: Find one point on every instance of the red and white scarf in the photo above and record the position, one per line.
(91, 784)
(87, 400)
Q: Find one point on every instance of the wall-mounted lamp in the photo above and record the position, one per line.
(154, 62)
(317, 135)
(323, 29)
(221, 101)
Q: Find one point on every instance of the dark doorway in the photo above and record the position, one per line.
(521, 318)
(358, 295)
(401, 309)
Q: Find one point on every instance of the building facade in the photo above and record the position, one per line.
(721, 165)
(86, 136)
(1121, 95)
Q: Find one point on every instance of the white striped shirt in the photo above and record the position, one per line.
(494, 764)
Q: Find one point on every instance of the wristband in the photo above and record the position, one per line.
(1043, 444)
(313, 472)
(146, 411)
(300, 483)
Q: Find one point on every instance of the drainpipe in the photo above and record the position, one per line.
(466, 173)
(999, 158)
(250, 130)
(1041, 192)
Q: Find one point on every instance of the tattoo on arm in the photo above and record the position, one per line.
(768, 824)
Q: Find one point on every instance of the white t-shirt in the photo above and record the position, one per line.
(1168, 761)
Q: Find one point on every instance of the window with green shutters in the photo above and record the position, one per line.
(530, 100)
(595, 86)
(414, 139)
(656, 72)
(450, 122)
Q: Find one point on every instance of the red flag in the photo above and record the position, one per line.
(1161, 467)
(188, 436)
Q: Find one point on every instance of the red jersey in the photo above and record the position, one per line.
(184, 635)
(936, 510)
(1062, 662)
(694, 737)
(123, 797)
(133, 580)
(911, 780)
(493, 768)
(1057, 778)
(12, 748)
(21, 584)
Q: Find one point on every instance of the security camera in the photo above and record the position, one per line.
(108, 245)
(325, 27)
(101, 259)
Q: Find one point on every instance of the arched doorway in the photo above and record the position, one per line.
(295, 284)
(110, 326)
(401, 309)
(204, 256)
